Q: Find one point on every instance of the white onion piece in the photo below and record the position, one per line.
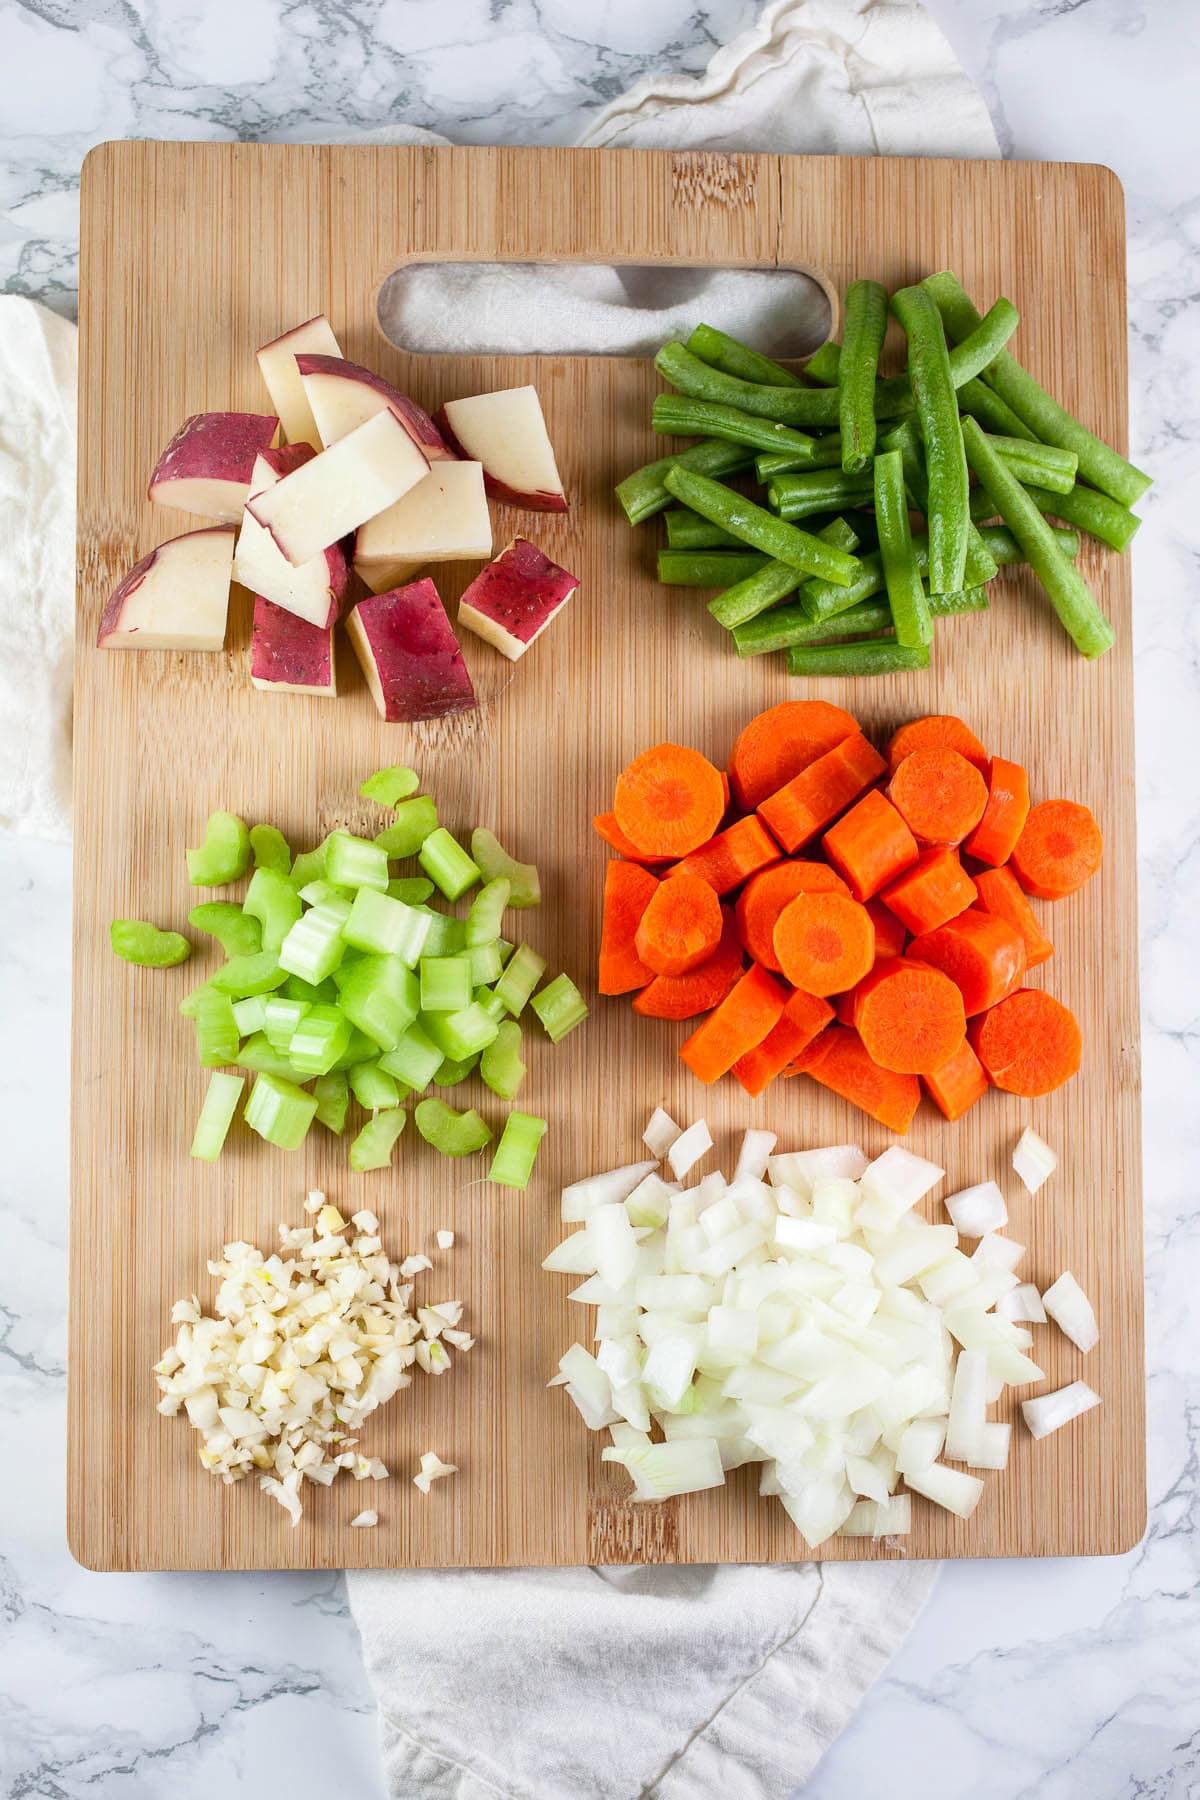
(968, 1406)
(660, 1133)
(802, 1169)
(754, 1154)
(689, 1147)
(1023, 1303)
(1047, 1412)
(582, 1197)
(432, 1469)
(650, 1202)
(685, 1466)
(892, 1185)
(364, 1520)
(976, 1211)
(613, 1244)
(668, 1370)
(954, 1489)
(913, 1250)
(1067, 1304)
(445, 1240)
(991, 1446)
(920, 1445)
(1033, 1159)
(574, 1256)
(996, 1252)
(879, 1518)
(866, 1478)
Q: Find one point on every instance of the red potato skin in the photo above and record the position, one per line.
(415, 653)
(218, 446)
(287, 651)
(284, 459)
(514, 590)
(415, 420)
(110, 618)
(496, 490)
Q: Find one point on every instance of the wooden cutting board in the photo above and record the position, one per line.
(194, 254)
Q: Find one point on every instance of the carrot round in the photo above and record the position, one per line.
(910, 1019)
(890, 935)
(680, 926)
(1029, 1044)
(939, 794)
(983, 956)
(1004, 816)
(748, 1012)
(958, 1084)
(844, 1003)
(824, 942)
(935, 890)
(766, 894)
(813, 799)
(780, 742)
(1001, 894)
(735, 853)
(838, 1060)
(939, 731)
(669, 800)
(702, 988)
(605, 826)
(1059, 849)
(870, 845)
(627, 893)
(803, 1016)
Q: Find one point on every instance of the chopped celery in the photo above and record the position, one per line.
(447, 864)
(450, 1132)
(280, 1111)
(257, 1054)
(217, 1034)
(445, 983)
(373, 1087)
(414, 821)
(274, 902)
(271, 849)
(500, 1064)
(309, 865)
(560, 1006)
(389, 786)
(321, 993)
(360, 1049)
(504, 947)
(447, 936)
(415, 1060)
(386, 927)
(522, 973)
(414, 890)
(487, 910)
(314, 892)
(237, 934)
(248, 1014)
(381, 996)
(320, 1038)
(242, 976)
(332, 1095)
(355, 862)
(452, 1071)
(512, 1164)
(224, 855)
(487, 964)
(490, 1003)
(314, 946)
(280, 1019)
(460, 1034)
(372, 1148)
(494, 861)
(193, 1000)
(216, 1115)
(146, 945)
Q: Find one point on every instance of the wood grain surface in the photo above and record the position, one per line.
(193, 255)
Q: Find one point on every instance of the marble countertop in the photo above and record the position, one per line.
(1061, 1679)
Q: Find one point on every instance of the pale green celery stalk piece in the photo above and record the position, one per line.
(360, 1049)
(309, 865)
(331, 1092)
(137, 942)
(500, 1065)
(445, 983)
(451, 1133)
(447, 864)
(237, 934)
(512, 1165)
(491, 1004)
(193, 1000)
(413, 890)
(522, 973)
(314, 947)
(224, 855)
(389, 786)
(381, 996)
(280, 1112)
(487, 964)
(274, 902)
(217, 1034)
(248, 1014)
(355, 862)
(413, 823)
(560, 1006)
(321, 993)
(387, 927)
(373, 1087)
(216, 1116)
(271, 849)
(280, 1019)
(525, 888)
(314, 893)
(415, 1060)
(256, 1054)
(487, 910)
(460, 1034)
(372, 1148)
(242, 976)
(321, 1036)
(447, 936)
(452, 1072)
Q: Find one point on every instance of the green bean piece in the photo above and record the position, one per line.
(858, 365)
(817, 490)
(980, 348)
(137, 942)
(905, 592)
(707, 568)
(1099, 464)
(726, 353)
(994, 414)
(676, 415)
(826, 453)
(825, 599)
(906, 438)
(1088, 510)
(754, 525)
(788, 625)
(790, 406)
(271, 849)
(772, 584)
(686, 530)
(823, 365)
(1045, 464)
(1006, 550)
(1069, 594)
(642, 494)
(878, 656)
(937, 412)
(967, 600)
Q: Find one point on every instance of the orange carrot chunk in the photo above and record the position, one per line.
(844, 1004)
(838, 1060)
(669, 800)
(813, 799)
(934, 891)
(939, 794)
(824, 942)
(910, 1019)
(1059, 849)
(702, 988)
(939, 731)
(958, 1084)
(735, 853)
(870, 845)
(983, 956)
(890, 935)
(680, 927)
(802, 1018)
(780, 742)
(627, 892)
(605, 826)
(766, 894)
(1001, 893)
(749, 1011)
(1004, 816)
(1029, 1044)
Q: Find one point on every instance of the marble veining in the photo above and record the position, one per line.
(1063, 1680)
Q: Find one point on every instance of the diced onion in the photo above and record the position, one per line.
(1047, 1412)
(365, 1519)
(432, 1469)
(802, 1169)
(954, 1489)
(583, 1197)
(991, 1446)
(879, 1518)
(1024, 1302)
(892, 1185)
(996, 1252)
(754, 1154)
(1033, 1159)
(968, 1406)
(660, 1133)
(976, 1211)
(689, 1147)
(1067, 1304)
(445, 1240)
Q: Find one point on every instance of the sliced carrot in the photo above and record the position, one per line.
(838, 1060)
(910, 1018)
(627, 893)
(735, 853)
(766, 894)
(939, 794)
(605, 825)
(958, 1084)
(749, 1011)
(870, 845)
(890, 935)
(803, 1016)
(780, 742)
(1001, 893)
(1004, 816)
(702, 988)
(984, 956)
(935, 890)
(844, 1006)
(824, 942)
(1029, 1044)
(1059, 849)
(938, 731)
(813, 799)
(680, 927)
(669, 800)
